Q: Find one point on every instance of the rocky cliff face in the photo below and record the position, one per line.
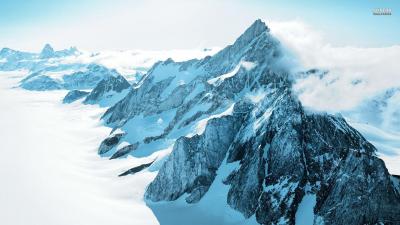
(280, 152)
(108, 91)
(197, 160)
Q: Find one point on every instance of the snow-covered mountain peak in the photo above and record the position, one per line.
(258, 27)
(256, 51)
(255, 45)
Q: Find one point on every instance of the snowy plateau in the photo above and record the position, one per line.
(224, 136)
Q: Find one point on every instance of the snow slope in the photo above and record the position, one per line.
(51, 173)
(305, 211)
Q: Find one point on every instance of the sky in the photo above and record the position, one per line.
(186, 24)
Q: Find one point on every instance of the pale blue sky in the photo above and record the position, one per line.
(158, 24)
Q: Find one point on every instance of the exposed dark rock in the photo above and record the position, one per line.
(107, 88)
(74, 95)
(196, 158)
(124, 151)
(361, 193)
(110, 142)
(136, 169)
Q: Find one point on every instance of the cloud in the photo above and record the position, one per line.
(355, 73)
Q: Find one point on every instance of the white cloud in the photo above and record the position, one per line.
(374, 69)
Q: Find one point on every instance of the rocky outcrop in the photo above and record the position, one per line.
(136, 169)
(110, 142)
(109, 89)
(125, 150)
(74, 95)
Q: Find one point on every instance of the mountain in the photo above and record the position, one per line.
(74, 76)
(175, 99)
(108, 91)
(239, 132)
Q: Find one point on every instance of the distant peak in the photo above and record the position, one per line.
(47, 47)
(259, 25)
(47, 51)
